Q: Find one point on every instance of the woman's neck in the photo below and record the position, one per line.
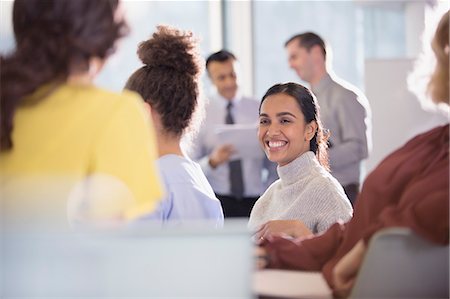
(95, 64)
(169, 145)
(80, 79)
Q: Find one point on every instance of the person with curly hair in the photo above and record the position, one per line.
(169, 84)
(307, 198)
(70, 151)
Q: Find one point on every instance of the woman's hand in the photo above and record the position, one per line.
(290, 228)
(345, 271)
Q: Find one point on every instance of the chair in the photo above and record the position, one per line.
(400, 264)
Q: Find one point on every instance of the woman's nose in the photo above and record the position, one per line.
(273, 130)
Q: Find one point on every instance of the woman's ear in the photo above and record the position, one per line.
(152, 112)
(156, 118)
(148, 107)
(311, 129)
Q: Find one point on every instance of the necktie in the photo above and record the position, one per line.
(236, 181)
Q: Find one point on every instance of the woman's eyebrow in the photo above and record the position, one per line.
(286, 113)
(278, 114)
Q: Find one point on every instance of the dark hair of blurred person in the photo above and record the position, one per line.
(54, 39)
(56, 123)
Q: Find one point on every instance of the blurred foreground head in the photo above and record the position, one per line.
(438, 87)
(54, 40)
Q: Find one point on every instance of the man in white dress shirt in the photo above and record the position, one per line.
(344, 110)
(237, 183)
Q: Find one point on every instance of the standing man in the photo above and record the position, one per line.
(237, 183)
(344, 110)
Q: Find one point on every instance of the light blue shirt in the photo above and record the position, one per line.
(189, 196)
(258, 173)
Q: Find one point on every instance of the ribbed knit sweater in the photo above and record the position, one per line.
(305, 191)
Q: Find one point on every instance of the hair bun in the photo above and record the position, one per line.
(171, 48)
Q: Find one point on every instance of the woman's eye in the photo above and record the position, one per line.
(285, 121)
(263, 121)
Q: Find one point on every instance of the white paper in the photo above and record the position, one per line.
(243, 138)
(291, 284)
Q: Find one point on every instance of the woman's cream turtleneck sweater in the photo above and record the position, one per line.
(305, 192)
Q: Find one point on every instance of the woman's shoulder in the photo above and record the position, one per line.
(327, 196)
(428, 143)
(174, 166)
(181, 170)
(324, 185)
(440, 133)
(124, 97)
(274, 186)
(319, 175)
(268, 195)
(92, 100)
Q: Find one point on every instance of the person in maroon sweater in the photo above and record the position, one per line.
(409, 188)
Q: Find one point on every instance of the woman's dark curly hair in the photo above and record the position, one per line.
(169, 79)
(54, 38)
(310, 108)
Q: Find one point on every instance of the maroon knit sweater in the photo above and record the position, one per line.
(409, 188)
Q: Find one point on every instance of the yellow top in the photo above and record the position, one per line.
(84, 132)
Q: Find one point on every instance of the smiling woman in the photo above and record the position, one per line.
(307, 198)
(408, 189)
(285, 131)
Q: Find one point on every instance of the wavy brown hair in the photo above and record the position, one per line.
(168, 81)
(54, 38)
